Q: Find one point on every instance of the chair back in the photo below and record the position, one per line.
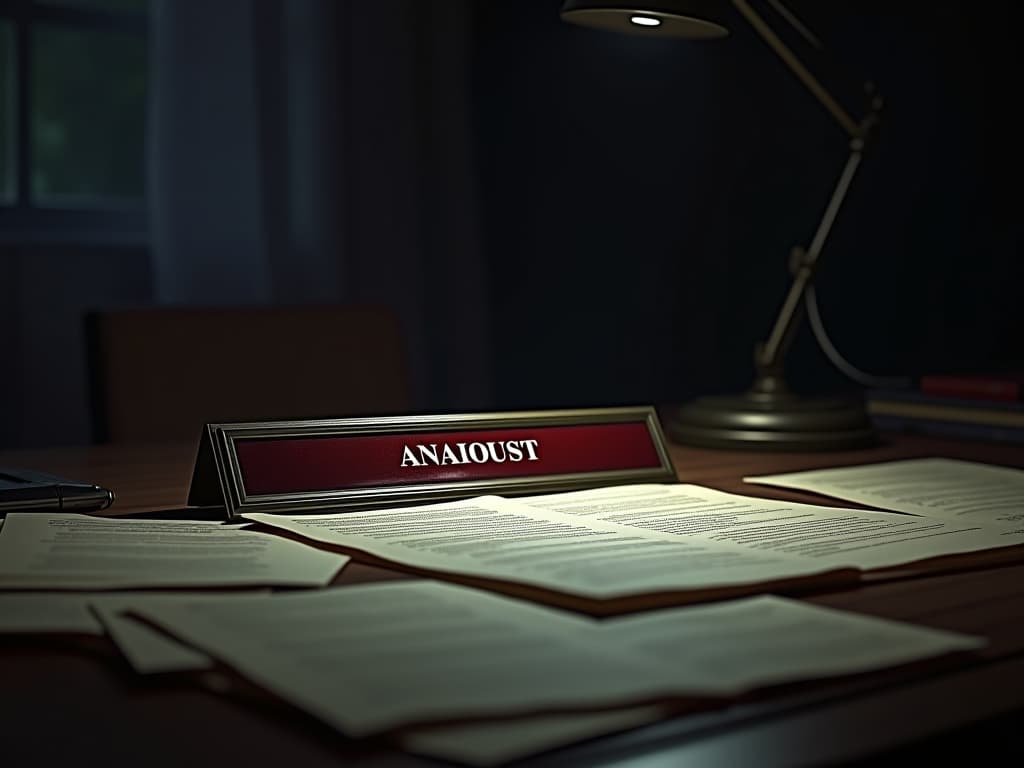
(161, 374)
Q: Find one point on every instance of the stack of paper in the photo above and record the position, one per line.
(392, 657)
(374, 658)
(683, 542)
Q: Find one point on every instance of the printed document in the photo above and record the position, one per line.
(372, 658)
(67, 551)
(951, 489)
(631, 540)
(494, 538)
(829, 535)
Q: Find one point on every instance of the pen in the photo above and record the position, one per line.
(25, 491)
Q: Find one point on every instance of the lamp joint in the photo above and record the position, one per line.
(798, 260)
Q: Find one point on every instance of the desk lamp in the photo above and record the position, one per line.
(769, 415)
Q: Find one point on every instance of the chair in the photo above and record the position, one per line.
(161, 374)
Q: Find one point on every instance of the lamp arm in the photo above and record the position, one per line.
(790, 59)
(768, 355)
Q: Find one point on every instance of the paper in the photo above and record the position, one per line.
(830, 536)
(148, 650)
(369, 659)
(47, 614)
(67, 551)
(945, 488)
(501, 741)
(494, 538)
(151, 651)
(741, 645)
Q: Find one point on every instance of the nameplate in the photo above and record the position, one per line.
(366, 463)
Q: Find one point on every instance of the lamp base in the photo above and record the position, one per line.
(772, 422)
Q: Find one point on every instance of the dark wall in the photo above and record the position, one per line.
(45, 291)
(637, 203)
(641, 198)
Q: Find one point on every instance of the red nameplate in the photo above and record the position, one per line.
(363, 463)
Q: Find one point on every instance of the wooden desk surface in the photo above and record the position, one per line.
(74, 703)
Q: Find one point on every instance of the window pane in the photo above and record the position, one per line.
(88, 114)
(7, 183)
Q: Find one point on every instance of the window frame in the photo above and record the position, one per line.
(23, 220)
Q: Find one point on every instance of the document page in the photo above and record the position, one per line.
(946, 488)
(47, 614)
(497, 742)
(67, 551)
(828, 535)
(148, 650)
(758, 641)
(493, 538)
(373, 658)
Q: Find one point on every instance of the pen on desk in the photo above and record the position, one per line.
(35, 492)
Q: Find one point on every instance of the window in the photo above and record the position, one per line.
(73, 81)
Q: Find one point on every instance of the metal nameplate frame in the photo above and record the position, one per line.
(224, 470)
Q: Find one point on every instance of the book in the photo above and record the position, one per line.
(995, 387)
(959, 430)
(914, 411)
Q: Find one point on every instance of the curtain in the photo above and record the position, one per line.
(312, 151)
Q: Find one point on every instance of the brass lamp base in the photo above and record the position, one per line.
(772, 422)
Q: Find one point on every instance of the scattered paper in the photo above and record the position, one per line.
(495, 538)
(830, 536)
(373, 658)
(945, 488)
(149, 650)
(67, 551)
(501, 741)
(47, 614)
(741, 645)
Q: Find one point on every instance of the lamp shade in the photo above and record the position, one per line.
(691, 19)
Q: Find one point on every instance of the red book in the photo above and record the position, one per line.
(1006, 388)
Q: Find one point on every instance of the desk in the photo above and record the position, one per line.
(75, 704)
